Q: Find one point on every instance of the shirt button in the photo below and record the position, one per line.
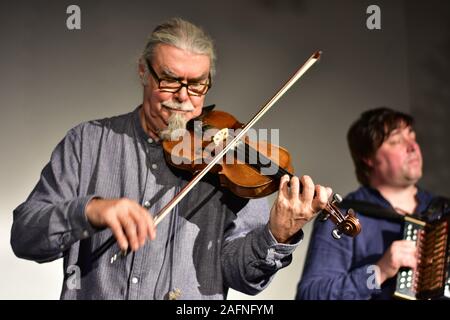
(174, 294)
(85, 234)
(150, 140)
(147, 204)
(134, 280)
(154, 166)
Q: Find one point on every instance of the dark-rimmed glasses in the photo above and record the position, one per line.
(174, 85)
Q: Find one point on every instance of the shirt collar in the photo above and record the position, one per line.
(140, 131)
(373, 195)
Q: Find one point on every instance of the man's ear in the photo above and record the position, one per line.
(368, 162)
(143, 74)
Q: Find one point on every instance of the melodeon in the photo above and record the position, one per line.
(431, 279)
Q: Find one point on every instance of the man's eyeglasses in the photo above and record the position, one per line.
(173, 85)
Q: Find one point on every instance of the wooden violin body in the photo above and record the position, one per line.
(240, 170)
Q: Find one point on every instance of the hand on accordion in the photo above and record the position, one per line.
(401, 253)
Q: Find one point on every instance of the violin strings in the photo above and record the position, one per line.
(255, 159)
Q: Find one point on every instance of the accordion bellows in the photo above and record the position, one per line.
(431, 279)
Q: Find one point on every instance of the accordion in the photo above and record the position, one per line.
(430, 231)
(431, 279)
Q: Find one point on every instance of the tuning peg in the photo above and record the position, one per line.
(351, 212)
(337, 198)
(336, 233)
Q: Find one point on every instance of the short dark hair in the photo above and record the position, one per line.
(369, 132)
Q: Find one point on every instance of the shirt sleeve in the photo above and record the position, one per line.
(328, 273)
(251, 255)
(53, 217)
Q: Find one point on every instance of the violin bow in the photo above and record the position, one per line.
(187, 188)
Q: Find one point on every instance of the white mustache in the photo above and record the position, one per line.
(183, 106)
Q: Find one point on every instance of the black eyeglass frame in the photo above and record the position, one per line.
(181, 84)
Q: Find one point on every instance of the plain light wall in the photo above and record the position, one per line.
(52, 79)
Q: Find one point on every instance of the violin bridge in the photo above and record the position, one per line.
(220, 136)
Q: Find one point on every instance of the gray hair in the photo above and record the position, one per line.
(183, 35)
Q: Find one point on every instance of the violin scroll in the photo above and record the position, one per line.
(345, 224)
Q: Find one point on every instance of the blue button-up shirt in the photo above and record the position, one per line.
(343, 269)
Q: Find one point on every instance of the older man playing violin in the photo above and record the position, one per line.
(108, 178)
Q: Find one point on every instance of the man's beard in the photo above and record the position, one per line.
(176, 127)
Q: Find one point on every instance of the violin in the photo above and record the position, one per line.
(244, 171)
(256, 173)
